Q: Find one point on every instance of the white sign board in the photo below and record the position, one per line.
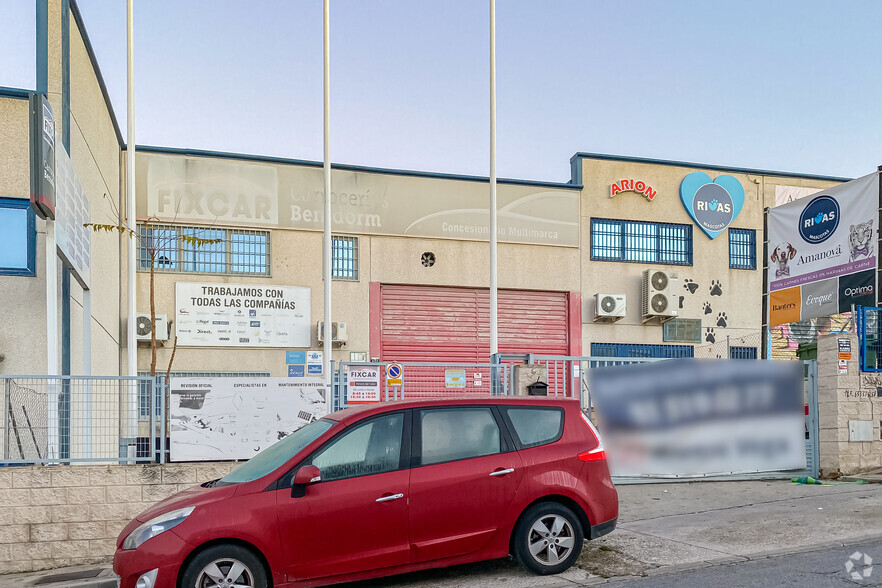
(787, 194)
(241, 315)
(72, 211)
(235, 418)
(362, 384)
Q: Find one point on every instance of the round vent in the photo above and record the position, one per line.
(144, 326)
(428, 259)
(608, 304)
(659, 302)
(659, 281)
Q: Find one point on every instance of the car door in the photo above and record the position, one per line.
(355, 517)
(464, 476)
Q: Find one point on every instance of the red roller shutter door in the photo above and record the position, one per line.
(440, 324)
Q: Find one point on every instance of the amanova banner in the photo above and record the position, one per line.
(822, 252)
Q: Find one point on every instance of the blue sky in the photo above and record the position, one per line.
(785, 85)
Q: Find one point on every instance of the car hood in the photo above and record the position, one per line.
(194, 496)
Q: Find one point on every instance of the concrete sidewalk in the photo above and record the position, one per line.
(662, 528)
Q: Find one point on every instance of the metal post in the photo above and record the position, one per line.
(326, 238)
(162, 415)
(131, 222)
(494, 302)
(7, 406)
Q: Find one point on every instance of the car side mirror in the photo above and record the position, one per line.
(308, 474)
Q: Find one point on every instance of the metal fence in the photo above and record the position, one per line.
(79, 419)
(82, 419)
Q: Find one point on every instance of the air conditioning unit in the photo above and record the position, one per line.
(609, 308)
(143, 327)
(338, 332)
(659, 296)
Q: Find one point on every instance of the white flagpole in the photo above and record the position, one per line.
(494, 303)
(326, 248)
(131, 223)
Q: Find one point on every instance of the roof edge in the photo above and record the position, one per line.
(739, 170)
(349, 167)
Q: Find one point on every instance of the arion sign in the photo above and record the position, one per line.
(633, 185)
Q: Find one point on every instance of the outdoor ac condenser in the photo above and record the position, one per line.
(659, 295)
(338, 332)
(143, 327)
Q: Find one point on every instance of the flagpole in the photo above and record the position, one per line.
(494, 303)
(326, 237)
(131, 343)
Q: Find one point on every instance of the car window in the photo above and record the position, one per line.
(275, 455)
(536, 426)
(370, 448)
(457, 433)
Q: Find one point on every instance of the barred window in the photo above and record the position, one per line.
(742, 249)
(742, 353)
(641, 242)
(237, 251)
(344, 258)
(681, 330)
(639, 350)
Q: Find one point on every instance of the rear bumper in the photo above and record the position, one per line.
(602, 529)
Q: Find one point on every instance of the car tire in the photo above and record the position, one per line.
(547, 538)
(249, 570)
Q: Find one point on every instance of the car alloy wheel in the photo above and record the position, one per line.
(225, 573)
(551, 540)
(547, 538)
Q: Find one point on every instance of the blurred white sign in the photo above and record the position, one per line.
(693, 417)
(72, 211)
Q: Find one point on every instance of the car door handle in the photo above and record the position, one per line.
(391, 497)
(502, 472)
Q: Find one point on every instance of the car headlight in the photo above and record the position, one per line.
(155, 526)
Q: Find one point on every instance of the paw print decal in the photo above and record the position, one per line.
(707, 308)
(722, 319)
(713, 204)
(819, 218)
(690, 285)
(710, 335)
(716, 288)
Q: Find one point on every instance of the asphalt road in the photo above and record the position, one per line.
(821, 568)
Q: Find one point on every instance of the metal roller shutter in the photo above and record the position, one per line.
(431, 323)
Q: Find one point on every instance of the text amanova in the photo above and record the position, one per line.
(232, 315)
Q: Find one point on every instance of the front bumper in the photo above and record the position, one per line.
(602, 529)
(165, 552)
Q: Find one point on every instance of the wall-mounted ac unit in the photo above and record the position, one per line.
(609, 308)
(659, 296)
(143, 327)
(338, 332)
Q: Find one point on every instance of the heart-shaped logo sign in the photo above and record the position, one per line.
(712, 204)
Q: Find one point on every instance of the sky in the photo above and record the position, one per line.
(789, 85)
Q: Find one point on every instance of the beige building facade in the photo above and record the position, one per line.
(411, 256)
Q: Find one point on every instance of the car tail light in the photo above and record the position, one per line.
(598, 453)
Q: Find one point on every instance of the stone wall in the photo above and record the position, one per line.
(843, 398)
(54, 516)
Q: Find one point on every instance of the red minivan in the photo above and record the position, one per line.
(385, 489)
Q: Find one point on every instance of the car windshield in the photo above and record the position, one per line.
(275, 455)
